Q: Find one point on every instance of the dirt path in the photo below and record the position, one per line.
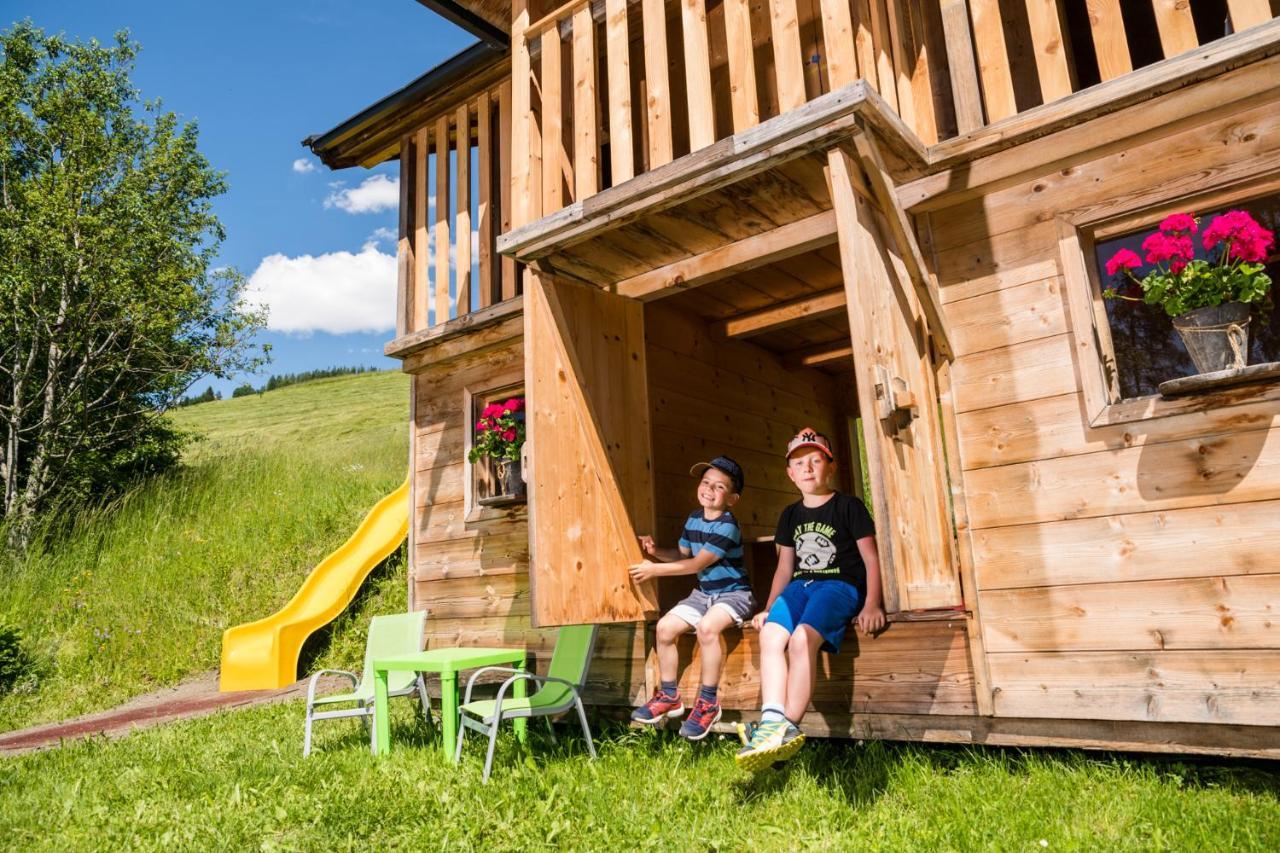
(195, 697)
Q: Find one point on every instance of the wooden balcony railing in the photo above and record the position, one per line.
(605, 90)
(455, 199)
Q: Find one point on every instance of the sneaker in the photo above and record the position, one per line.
(658, 708)
(700, 720)
(769, 743)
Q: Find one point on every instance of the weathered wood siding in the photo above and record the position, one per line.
(1126, 572)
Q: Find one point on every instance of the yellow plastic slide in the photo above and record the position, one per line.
(263, 655)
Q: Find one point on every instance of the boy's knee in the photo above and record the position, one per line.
(802, 639)
(669, 632)
(708, 634)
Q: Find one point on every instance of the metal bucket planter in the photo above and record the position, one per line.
(1217, 337)
(510, 480)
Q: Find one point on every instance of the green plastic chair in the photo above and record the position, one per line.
(388, 636)
(560, 690)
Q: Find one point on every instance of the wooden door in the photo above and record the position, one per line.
(590, 478)
(898, 399)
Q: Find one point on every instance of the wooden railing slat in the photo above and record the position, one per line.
(586, 145)
(442, 219)
(837, 35)
(618, 47)
(521, 155)
(1109, 42)
(1045, 20)
(507, 153)
(966, 93)
(697, 74)
(864, 47)
(404, 244)
(993, 59)
(1248, 13)
(552, 123)
(658, 99)
(880, 45)
(462, 213)
(421, 255)
(743, 102)
(903, 59)
(1177, 27)
(788, 62)
(484, 205)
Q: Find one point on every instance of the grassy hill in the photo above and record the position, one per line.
(137, 595)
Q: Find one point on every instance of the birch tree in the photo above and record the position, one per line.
(110, 304)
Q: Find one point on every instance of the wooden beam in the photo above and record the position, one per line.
(965, 90)
(904, 236)
(442, 219)
(785, 241)
(618, 70)
(1109, 41)
(993, 59)
(658, 101)
(484, 202)
(697, 74)
(508, 277)
(837, 32)
(781, 316)
(788, 65)
(888, 87)
(819, 355)
(462, 213)
(1050, 49)
(586, 147)
(1177, 27)
(421, 305)
(520, 114)
(742, 65)
(404, 245)
(553, 154)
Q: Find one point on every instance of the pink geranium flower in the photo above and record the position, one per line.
(492, 410)
(1246, 240)
(1179, 223)
(509, 435)
(1160, 247)
(1125, 259)
(515, 404)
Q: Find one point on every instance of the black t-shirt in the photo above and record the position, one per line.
(826, 539)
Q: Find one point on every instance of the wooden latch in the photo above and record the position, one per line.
(895, 402)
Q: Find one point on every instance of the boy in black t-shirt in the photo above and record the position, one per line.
(828, 574)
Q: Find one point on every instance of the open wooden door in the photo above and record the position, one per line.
(897, 394)
(591, 472)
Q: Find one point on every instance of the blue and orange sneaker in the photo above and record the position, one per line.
(658, 708)
(768, 744)
(700, 720)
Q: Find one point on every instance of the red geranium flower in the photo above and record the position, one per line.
(509, 435)
(1246, 239)
(1179, 223)
(515, 404)
(1124, 259)
(1168, 247)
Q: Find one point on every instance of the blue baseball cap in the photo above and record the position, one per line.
(724, 465)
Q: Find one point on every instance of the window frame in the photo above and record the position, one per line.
(473, 396)
(1078, 233)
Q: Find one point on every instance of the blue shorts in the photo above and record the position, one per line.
(825, 606)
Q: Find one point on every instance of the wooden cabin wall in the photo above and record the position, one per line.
(470, 567)
(1125, 572)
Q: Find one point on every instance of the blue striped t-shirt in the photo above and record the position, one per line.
(723, 538)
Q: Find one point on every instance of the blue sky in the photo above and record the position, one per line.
(258, 77)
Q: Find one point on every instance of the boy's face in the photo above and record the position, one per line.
(715, 490)
(811, 470)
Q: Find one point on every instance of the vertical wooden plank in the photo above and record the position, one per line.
(864, 43)
(880, 45)
(586, 145)
(993, 59)
(837, 35)
(742, 65)
(965, 91)
(552, 123)
(421, 242)
(787, 60)
(484, 201)
(1050, 49)
(442, 219)
(902, 59)
(462, 213)
(404, 244)
(658, 89)
(921, 74)
(508, 154)
(1177, 27)
(520, 113)
(618, 46)
(1248, 13)
(1109, 41)
(697, 74)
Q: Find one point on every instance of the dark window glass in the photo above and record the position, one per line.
(1147, 348)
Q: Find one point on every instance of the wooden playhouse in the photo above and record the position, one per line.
(687, 227)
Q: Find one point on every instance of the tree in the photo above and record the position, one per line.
(109, 302)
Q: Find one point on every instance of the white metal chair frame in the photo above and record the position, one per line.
(364, 708)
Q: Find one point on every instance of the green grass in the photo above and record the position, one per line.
(137, 595)
(237, 781)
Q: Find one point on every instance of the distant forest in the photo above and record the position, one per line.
(281, 381)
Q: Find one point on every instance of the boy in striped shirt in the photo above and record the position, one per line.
(711, 546)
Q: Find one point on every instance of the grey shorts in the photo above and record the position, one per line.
(740, 603)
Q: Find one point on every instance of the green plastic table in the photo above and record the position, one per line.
(447, 662)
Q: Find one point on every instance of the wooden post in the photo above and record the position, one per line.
(618, 46)
(658, 100)
(965, 92)
(880, 40)
(742, 65)
(484, 203)
(993, 59)
(1109, 42)
(864, 44)
(462, 213)
(586, 146)
(837, 35)
(442, 219)
(421, 243)
(697, 74)
(1248, 13)
(787, 60)
(508, 155)
(1177, 27)
(404, 244)
(1050, 49)
(520, 114)
(552, 124)
(900, 45)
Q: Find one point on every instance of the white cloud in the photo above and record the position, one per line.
(337, 292)
(381, 234)
(302, 165)
(376, 193)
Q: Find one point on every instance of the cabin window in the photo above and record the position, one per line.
(1145, 348)
(495, 425)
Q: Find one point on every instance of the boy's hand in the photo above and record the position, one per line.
(757, 621)
(648, 546)
(871, 619)
(642, 572)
